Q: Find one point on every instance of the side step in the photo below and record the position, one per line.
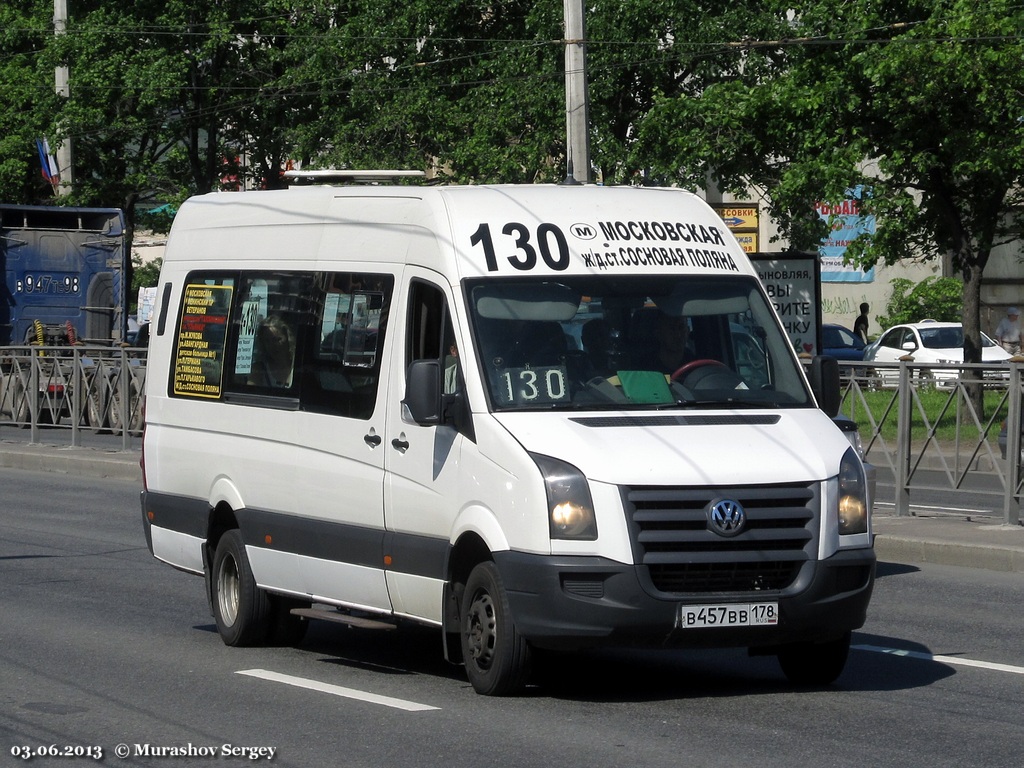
(330, 614)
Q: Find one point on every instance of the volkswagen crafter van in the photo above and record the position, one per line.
(538, 418)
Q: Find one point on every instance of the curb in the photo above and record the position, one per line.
(965, 541)
(896, 549)
(81, 462)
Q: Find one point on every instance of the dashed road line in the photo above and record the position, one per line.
(954, 660)
(336, 690)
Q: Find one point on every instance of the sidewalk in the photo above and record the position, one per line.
(83, 462)
(949, 540)
(924, 538)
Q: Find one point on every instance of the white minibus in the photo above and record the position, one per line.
(538, 418)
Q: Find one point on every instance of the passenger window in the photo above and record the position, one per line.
(346, 349)
(273, 310)
(304, 340)
(431, 336)
(200, 347)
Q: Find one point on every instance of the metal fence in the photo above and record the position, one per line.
(923, 423)
(74, 388)
(917, 421)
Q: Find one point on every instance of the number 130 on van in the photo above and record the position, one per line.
(550, 243)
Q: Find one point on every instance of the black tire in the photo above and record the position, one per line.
(815, 664)
(94, 415)
(134, 411)
(93, 402)
(497, 657)
(242, 610)
(21, 409)
(115, 419)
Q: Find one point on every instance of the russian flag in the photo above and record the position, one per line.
(47, 162)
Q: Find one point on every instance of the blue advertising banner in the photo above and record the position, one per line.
(847, 225)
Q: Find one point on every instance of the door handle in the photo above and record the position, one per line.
(372, 440)
(401, 445)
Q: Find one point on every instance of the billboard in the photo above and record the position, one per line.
(847, 224)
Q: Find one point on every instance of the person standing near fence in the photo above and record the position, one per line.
(860, 325)
(1008, 331)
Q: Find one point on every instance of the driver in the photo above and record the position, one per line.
(674, 350)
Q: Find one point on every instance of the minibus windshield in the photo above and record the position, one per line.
(585, 343)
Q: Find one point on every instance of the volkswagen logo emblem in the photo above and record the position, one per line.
(727, 517)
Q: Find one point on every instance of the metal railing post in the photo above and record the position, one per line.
(77, 381)
(903, 412)
(124, 382)
(1011, 504)
(32, 394)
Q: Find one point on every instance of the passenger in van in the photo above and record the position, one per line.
(596, 342)
(333, 343)
(673, 336)
(275, 354)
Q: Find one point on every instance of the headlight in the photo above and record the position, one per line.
(853, 504)
(570, 507)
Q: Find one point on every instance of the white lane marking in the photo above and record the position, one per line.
(955, 660)
(336, 690)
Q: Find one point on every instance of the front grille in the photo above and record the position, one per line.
(680, 554)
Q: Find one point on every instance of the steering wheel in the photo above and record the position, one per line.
(684, 369)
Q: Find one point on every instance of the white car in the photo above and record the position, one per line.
(929, 342)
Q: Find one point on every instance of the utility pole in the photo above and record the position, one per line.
(577, 122)
(62, 81)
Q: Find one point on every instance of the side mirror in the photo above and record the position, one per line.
(824, 377)
(423, 392)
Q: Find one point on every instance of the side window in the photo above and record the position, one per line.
(431, 336)
(200, 347)
(345, 347)
(303, 340)
(273, 315)
(893, 339)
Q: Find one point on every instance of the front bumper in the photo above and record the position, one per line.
(575, 602)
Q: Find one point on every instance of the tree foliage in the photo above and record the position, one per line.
(28, 98)
(920, 101)
(934, 298)
(146, 274)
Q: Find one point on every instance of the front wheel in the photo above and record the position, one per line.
(497, 657)
(242, 610)
(815, 664)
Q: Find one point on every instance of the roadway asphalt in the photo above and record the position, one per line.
(962, 540)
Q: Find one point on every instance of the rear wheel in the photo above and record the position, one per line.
(242, 610)
(815, 664)
(497, 657)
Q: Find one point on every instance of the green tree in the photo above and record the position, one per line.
(922, 102)
(145, 274)
(934, 298)
(471, 88)
(28, 101)
(477, 89)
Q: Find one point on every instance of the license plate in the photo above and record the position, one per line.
(731, 615)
